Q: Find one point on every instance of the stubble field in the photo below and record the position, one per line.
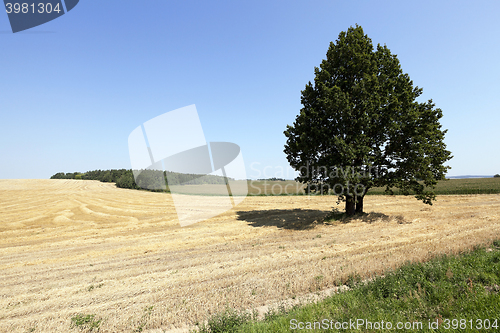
(70, 247)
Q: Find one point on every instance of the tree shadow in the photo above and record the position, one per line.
(296, 219)
(304, 219)
(369, 218)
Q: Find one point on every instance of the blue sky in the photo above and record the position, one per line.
(73, 89)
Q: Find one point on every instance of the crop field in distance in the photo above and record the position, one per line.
(450, 186)
(76, 253)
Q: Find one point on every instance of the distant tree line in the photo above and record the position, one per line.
(148, 179)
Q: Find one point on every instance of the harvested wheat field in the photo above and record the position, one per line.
(71, 247)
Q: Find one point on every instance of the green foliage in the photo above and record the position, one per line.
(86, 322)
(150, 179)
(275, 312)
(361, 125)
(227, 321)
(458, 186)
(146, 179)
(107, 178)
(175, 178)
(101, 175)
(69, 175)
(497, 176)
(59, 175)
(126, 180)
(92, 287)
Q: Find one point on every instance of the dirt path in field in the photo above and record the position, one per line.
(83, 247)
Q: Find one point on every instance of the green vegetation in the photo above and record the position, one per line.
(361, 124)
(109, 176)
(86, 322)
(497, 176)
(455, 292)
(92, 287)
(228, 321)
(450, 186)
(124, 178)
(460, 186)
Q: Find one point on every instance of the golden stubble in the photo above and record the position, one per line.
(70, 247)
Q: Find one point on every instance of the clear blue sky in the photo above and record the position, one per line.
(72, 90)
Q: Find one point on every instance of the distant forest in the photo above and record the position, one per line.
(124, 178)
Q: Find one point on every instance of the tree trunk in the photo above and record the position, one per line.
(359, 205)
(350, 205)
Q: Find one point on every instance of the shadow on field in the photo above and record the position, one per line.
(369, 218)
(303, 219)
(297, 219)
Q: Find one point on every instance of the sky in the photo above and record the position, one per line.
(73, 89)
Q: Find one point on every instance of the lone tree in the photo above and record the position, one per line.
(361, 127)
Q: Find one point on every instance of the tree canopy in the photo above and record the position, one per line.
(361, 126)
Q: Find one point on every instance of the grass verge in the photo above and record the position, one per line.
(450, 293)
